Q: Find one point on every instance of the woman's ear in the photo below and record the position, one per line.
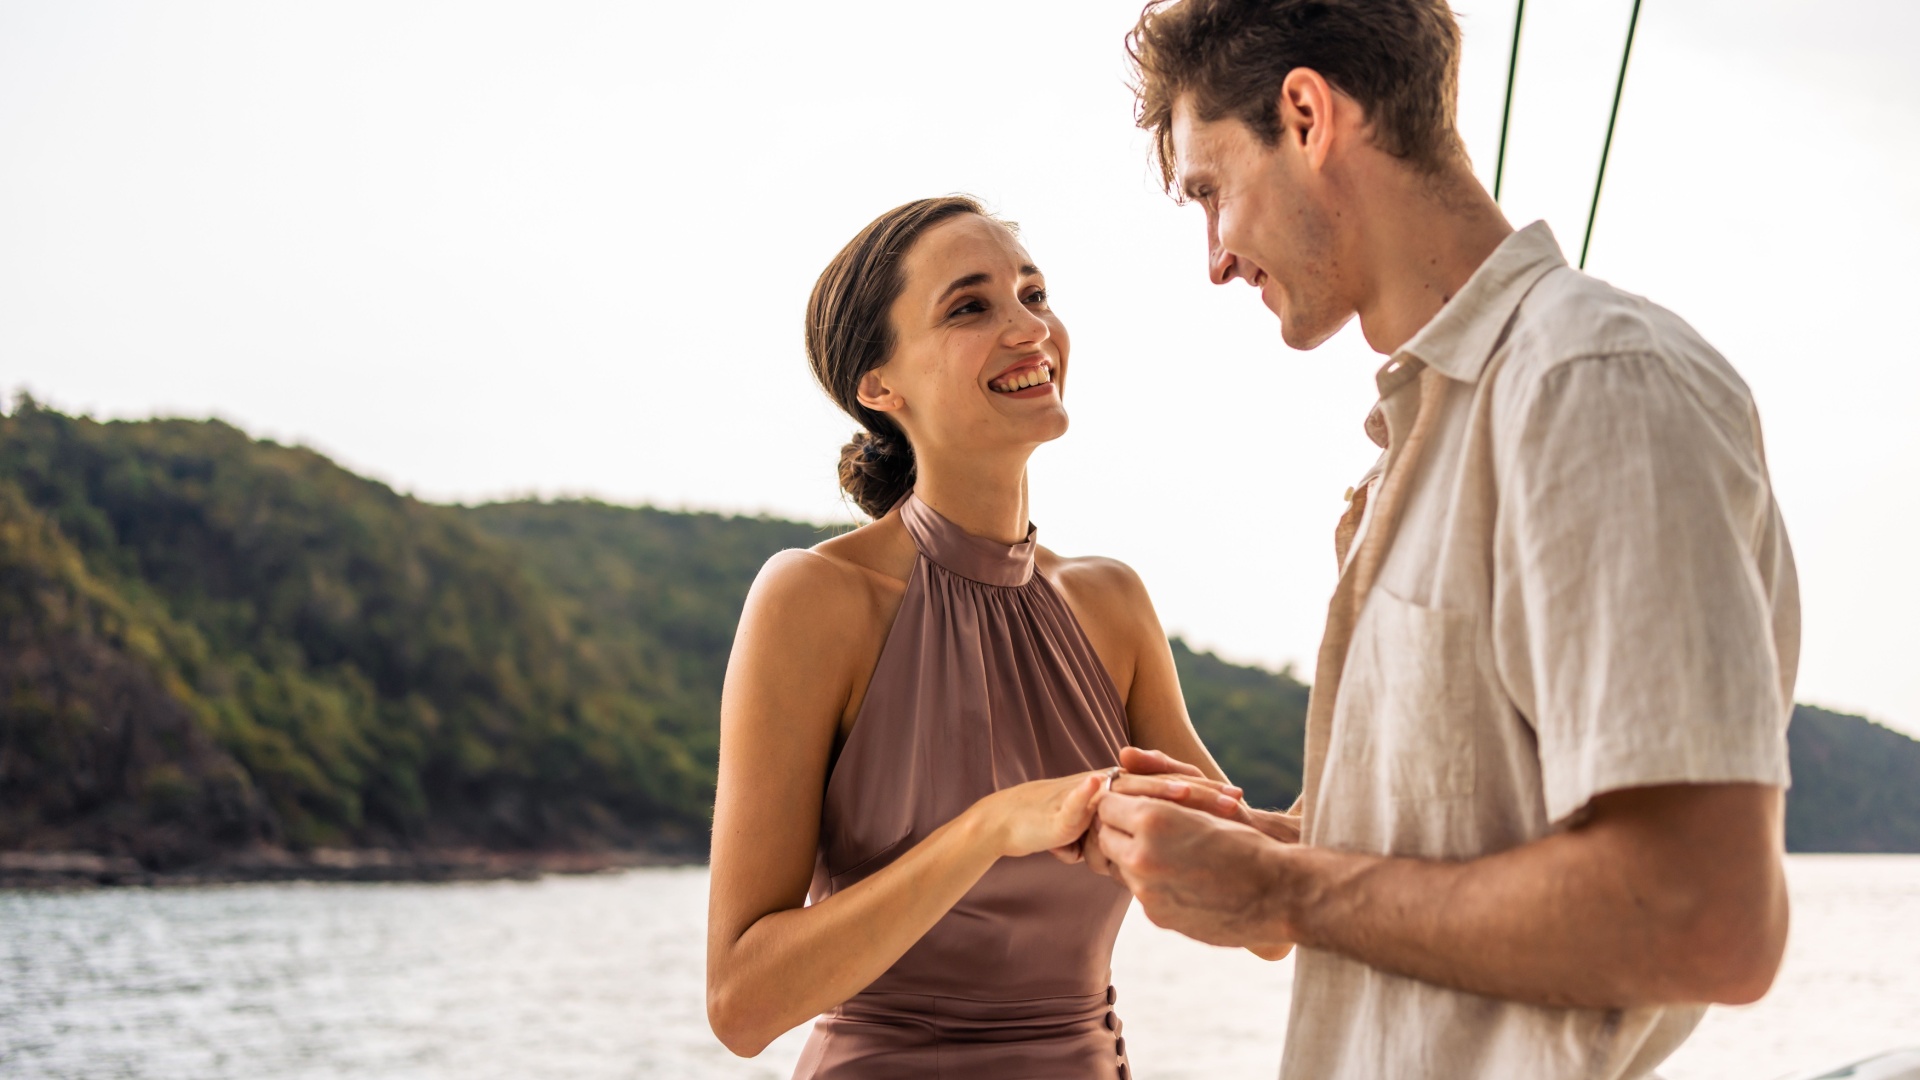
(876, 393)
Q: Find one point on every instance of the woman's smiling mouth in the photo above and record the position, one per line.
(1025, 380)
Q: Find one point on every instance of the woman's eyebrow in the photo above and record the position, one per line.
(968, 282)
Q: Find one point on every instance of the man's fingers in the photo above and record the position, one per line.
(1095, 853)
(1135, 760)
(1116, 848)
(1282, 827)
(1129, 814)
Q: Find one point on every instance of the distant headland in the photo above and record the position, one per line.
(226, 659)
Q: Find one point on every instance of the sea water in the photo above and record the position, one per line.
(600, 977)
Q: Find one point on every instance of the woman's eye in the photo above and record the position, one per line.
(1037, 296)
(969, 308)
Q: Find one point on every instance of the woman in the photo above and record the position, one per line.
(917, 712)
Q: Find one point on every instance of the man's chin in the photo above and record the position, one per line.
(1301, 330)
(1304, 334)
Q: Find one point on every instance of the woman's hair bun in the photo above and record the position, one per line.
(876, 471)
(849, 333)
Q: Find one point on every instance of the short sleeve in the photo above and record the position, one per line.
(1638, 598)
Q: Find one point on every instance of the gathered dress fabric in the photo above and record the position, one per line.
(986, 680)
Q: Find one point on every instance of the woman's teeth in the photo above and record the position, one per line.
(1022, 380)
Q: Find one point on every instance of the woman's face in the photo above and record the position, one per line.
(979, 358)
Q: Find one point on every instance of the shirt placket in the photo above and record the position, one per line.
(1385, 499)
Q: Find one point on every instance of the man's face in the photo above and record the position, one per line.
(1267, 221)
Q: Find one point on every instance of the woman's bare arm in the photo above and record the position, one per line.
(1167, 759)
(1113, 608)
(772, 962)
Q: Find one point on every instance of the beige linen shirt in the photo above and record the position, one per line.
(1566, 576)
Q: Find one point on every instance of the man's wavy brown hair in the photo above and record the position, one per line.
(1400, 59)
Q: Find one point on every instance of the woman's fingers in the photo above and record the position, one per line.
(1175, 788)
(1135, 760)
(1076, 811)
(1195, 793)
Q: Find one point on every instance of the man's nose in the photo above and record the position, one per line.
(1220, 262)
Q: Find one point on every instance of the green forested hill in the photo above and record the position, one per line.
(208, 641)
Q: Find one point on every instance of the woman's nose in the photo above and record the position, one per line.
(1025, 328)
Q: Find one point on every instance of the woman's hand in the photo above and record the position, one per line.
(1154, 774)
(1159, 776)
(1208, 796)
(1040, 815)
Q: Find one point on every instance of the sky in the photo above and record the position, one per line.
(484, 250)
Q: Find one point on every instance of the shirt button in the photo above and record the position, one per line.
(1348, 497)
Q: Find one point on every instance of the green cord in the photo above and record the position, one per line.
(1593, 211)
(1506, 111)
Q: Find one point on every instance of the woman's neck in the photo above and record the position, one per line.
(988, 502)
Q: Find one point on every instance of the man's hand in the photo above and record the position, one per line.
(1157, 775)
(1214, 880)
(1658, 895)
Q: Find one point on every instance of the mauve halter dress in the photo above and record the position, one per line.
(986, 681)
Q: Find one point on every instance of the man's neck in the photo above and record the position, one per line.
(1420, 240)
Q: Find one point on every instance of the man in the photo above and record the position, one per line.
(1546, 746)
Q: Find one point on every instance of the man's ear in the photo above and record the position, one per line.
(1307, 108)
(876, 393)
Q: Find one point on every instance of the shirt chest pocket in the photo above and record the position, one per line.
(1410, 700)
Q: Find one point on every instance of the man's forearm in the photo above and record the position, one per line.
(1472, 926)
(1584, 918)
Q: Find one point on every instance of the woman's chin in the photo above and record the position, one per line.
(1055, 425)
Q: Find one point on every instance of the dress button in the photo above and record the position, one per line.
(1112, 995)
(1108, 1020)
(1119, 1048)
(1123, 1071)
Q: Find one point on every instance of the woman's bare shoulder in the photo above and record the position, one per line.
(1102, 578)
(1103, 592)
(846, 574)
(877, 549)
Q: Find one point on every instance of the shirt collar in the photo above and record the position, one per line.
(1460, 338)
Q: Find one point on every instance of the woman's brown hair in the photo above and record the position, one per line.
(850, 332)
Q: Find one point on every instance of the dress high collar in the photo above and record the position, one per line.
(957, 551)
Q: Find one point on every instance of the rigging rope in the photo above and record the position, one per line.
(1593, 211)
(1506, 111)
